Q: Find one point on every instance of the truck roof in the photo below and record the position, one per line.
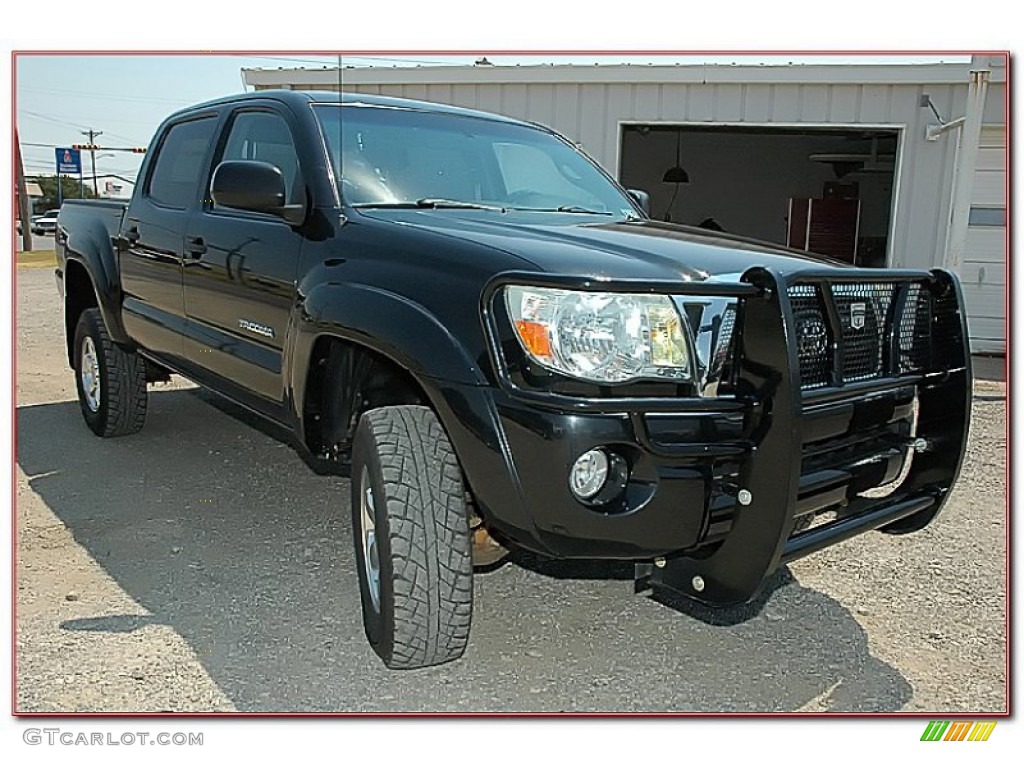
(298, 99)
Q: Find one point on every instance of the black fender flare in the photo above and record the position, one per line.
(455, 385)
(390, 325)
(90, 246)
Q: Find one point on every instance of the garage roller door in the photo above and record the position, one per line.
(984, 268)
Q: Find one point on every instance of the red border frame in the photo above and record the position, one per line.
(511, 52)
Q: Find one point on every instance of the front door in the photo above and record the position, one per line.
(152, 241)
(240, 270)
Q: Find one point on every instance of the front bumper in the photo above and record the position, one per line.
(717, 483)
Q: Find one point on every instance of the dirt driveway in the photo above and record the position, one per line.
(200, 565)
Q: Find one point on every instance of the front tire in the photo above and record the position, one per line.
(412, 538)
(111, 382)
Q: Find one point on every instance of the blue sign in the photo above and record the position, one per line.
(69, 161)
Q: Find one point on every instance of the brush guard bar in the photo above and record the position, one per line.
(777, 489)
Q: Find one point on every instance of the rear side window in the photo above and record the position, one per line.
(176, 176)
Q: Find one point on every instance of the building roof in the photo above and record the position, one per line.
(863, 73)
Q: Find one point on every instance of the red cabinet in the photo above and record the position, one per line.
(827, 226)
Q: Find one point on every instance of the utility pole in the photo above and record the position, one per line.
(92, 157)
(24, 213)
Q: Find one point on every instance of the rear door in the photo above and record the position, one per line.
(240, 269)
(152, 236)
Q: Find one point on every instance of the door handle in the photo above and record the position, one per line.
(196, 247)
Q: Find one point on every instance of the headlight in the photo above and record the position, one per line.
(600, 337)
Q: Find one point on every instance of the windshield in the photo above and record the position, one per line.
(388, 157)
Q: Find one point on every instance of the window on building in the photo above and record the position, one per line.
(987, 217)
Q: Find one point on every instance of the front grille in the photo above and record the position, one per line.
(916, 330)
(863, 310)
(879, 328)
(723, 340)
(813, 343)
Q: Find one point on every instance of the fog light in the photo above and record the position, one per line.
(589, 473)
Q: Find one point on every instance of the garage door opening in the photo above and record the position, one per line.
(823, 190)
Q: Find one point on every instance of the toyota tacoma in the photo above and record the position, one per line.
(501, 349)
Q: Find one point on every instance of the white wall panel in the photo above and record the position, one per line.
(785, 103)
(989, 189)
(986, 245)
(814, 101)
(728, 103)
(698, 107)
(757, 104)
(589, 104)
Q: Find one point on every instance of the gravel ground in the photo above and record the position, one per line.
(200, 566)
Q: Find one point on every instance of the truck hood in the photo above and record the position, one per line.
(589, 245)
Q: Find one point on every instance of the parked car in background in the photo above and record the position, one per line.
(45, 224)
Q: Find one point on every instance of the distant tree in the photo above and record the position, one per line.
(69, 187)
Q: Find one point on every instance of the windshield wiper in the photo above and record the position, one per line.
(567, 209)
(432, 202)
(441, 202)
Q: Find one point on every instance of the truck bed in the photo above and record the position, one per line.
(74, 213)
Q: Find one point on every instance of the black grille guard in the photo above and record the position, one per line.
(760, 539)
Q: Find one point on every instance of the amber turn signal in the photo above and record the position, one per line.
(535, 338)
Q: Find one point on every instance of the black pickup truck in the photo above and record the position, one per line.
(493, 338)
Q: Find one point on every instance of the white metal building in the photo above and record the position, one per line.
(915, 153)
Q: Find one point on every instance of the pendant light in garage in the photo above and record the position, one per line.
(675, 175)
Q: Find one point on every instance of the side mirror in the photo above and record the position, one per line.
(251, 185)
(642, 199)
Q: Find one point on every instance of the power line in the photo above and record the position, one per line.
(33, 174)
(64, 122)
(48, 164)
(110, 96)
(50, 168)
(52, 119)
(408, 61)
(292, 60)
(134, 142)
(359, 58)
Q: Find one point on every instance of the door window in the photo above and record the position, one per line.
(265, 136)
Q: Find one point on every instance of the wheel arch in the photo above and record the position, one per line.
(419, 351)
(401, 339)
(91, 279)
(79, 295)
(344, 379)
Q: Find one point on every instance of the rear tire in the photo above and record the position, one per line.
(111, 381)
(412, 539)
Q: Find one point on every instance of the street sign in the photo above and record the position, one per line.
(69, 161)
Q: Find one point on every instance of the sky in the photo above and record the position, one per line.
(126, 97)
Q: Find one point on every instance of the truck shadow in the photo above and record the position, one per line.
(623, 571)
(224, 535)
